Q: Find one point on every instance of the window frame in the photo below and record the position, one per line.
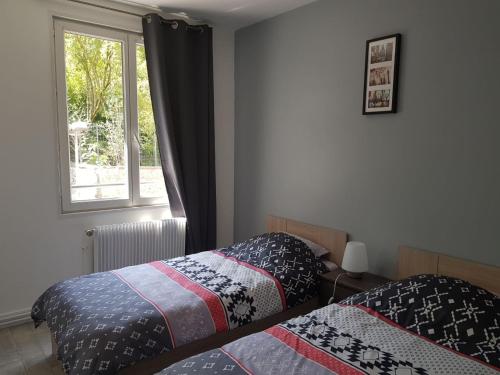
(129, 41)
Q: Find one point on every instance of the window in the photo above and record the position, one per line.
(108, 149)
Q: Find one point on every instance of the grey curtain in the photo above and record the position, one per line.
(180, 68)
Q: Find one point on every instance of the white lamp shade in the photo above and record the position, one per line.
(355, 257)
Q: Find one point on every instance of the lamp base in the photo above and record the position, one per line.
(355, 275)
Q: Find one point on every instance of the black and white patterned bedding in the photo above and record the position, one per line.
(108, 321)
(278, 254)
(449, 311)
(421, 325)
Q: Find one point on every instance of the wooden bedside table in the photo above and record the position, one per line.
(346, 286)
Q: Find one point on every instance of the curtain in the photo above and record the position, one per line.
(180, 68)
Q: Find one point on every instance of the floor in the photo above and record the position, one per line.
(26, 350)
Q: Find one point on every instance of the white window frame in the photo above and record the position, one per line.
(129, 40)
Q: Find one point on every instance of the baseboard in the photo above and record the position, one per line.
(15, 317)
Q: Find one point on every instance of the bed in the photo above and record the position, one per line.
(426, 323)
(142, 318)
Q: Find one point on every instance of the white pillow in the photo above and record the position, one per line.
(329, 265)
(317, 250)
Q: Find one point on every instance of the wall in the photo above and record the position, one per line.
(224, 131)
(38, 245)
(427, 176)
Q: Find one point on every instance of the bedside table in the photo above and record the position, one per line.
(346, 286)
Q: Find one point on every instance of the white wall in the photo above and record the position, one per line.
(38, 245)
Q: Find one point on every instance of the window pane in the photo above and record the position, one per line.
(152, 184)
(95, 101)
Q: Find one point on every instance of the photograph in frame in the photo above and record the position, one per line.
(381, 75)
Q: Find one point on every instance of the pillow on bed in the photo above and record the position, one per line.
(317, 250)
(285, 257)
(330, 266)
(449, 311)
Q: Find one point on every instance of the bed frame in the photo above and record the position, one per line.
(415, 261)
(331, 239)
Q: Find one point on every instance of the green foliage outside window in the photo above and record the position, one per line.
(95, 96)
(147, 132)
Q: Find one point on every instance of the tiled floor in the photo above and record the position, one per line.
(26, 350)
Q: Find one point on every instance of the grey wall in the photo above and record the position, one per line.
(428, 176)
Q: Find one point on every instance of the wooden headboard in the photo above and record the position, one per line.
(331, 239)
(415, 261)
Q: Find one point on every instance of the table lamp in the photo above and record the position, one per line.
(355, 260)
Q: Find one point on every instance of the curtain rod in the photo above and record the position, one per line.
(88, 3)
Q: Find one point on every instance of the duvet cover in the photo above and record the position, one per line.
(422, 325)
(107, 321)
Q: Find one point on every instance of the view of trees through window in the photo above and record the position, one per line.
(151, 175)
(97, 131)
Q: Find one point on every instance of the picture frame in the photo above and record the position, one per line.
(380, 93)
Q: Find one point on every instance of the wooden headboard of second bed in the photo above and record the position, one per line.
(415, 261)
(331, 239)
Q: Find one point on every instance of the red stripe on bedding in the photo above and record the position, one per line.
(377, 315)
(172, 338)
(262, 272)
(211, 299)
(312, 353)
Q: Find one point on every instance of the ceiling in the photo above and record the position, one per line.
(234, 13)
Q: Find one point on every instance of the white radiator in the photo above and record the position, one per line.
(121, 245)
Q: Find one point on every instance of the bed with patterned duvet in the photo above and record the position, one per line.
(108, 321)
(421, 325)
